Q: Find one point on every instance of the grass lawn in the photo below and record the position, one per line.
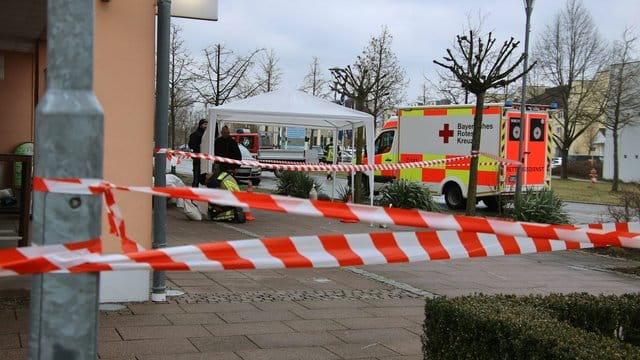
(581, 191)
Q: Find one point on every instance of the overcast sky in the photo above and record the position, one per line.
(336, 31)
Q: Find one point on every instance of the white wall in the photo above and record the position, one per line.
(628, 155)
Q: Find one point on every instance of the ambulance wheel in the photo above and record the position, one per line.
(453, 197)
(492, 202)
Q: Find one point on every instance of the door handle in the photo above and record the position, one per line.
(388, 160)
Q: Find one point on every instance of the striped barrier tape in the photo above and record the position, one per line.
(624, 234)
(319, 251)
(462, 237)
(318, 166)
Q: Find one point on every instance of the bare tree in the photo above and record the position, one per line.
(479, 69)
(222, 75)
(388, 78)
(180, 64)
(374, 82)
(571, 53)
(623, 106)
(448, 88)
(314, 83)
(269, 74)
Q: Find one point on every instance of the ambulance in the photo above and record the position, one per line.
(439, 132)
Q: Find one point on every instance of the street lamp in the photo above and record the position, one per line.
(528, 8)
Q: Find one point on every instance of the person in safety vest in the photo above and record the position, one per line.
(222, 180)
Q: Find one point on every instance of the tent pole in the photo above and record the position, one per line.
(353, 148)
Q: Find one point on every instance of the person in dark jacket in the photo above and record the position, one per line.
(195, 139)
(226, 146)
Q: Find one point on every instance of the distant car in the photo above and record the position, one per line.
(556, 161)
(346, 155)
(248, 173)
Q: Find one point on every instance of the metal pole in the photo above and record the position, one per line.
(68, 144)
(528, 9)
(158, 291)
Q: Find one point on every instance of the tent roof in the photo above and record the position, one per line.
(292, 108)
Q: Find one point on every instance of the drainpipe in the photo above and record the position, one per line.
(158, 290)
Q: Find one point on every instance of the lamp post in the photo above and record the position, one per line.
(528, 8)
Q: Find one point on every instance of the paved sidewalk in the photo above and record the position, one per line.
(372, 312)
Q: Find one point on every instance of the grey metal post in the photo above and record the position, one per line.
(68, 144)
(528, 8)
(158, 291)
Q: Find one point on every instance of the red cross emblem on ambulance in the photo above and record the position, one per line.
(445, 133)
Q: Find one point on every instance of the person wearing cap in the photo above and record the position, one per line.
(195, 139)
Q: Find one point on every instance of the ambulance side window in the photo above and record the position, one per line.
(384, 142)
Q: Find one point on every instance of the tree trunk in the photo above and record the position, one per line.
(564, 167)
(475, 147)
(616, 174)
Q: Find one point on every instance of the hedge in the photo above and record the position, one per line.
(510, 327)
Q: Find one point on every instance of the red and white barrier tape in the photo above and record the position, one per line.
(318, 166)
(499, 159)
(462, 237)
(283, 252)
(627, 234)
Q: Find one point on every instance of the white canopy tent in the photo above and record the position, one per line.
(291, 108)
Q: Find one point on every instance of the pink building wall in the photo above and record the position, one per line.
(124, 83)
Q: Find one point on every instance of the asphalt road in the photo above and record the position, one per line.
(579, 212)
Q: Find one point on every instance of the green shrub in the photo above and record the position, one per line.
(297, 184)
(344, 192)
(510, 327)
(540, 206)
(407, 195)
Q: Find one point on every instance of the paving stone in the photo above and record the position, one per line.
(193, 282)
(297, 353)
(222, 343)
(411, 345)
(357, 351)
(375, 322)
(133, 320)
(314, 325)
(140, 309)
(14, 326)
(179, 275)
(330, 313)
(332, 304)
(370, 336)
(9, 341)
(23, 314)
(300, 339)
(194, 319)
(394, 311)
(217, 307)
(162, 332)
(277, 305)
(178, 345)
(108, 334)
(406, 302)
(7, 315)
(268, 327)
(408, 357)
(256, 316)
(14, 354)
(195, 356)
